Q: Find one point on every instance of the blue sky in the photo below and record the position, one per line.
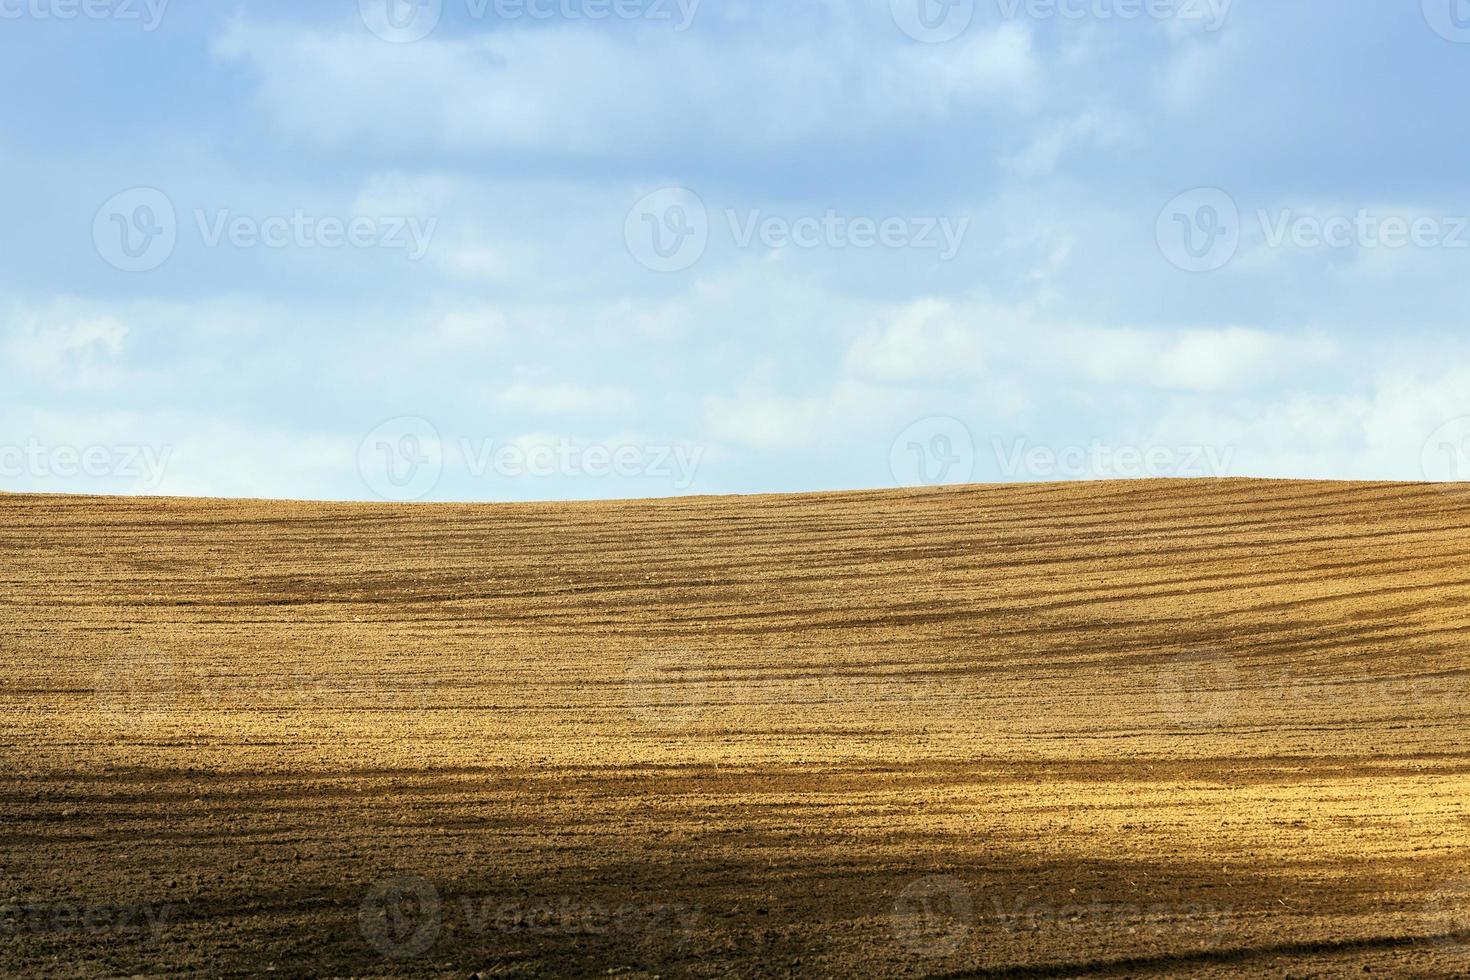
(567, 249)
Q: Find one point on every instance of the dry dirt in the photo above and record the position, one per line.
(1129, 729)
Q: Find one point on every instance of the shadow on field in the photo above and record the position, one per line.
(682, 871)
(1127, 966)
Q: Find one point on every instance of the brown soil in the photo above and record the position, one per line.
(1194, 728)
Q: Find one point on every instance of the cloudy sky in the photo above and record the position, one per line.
(547, 249)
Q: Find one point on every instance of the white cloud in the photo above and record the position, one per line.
(933, 340)
(67, 349)
(570, 90)
(170, 454)
(1385, 428)
(761, 418)
(924, 340)
(1197, 69)
(1217, 359)
(468, 329)
(475, 262)
(1411, 405)
(564, 398)
(1091, 128)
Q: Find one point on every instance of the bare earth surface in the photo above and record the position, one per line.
(1131, 729)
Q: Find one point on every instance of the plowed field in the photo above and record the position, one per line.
(1189, 728)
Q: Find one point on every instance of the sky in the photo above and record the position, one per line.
(578, 249)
